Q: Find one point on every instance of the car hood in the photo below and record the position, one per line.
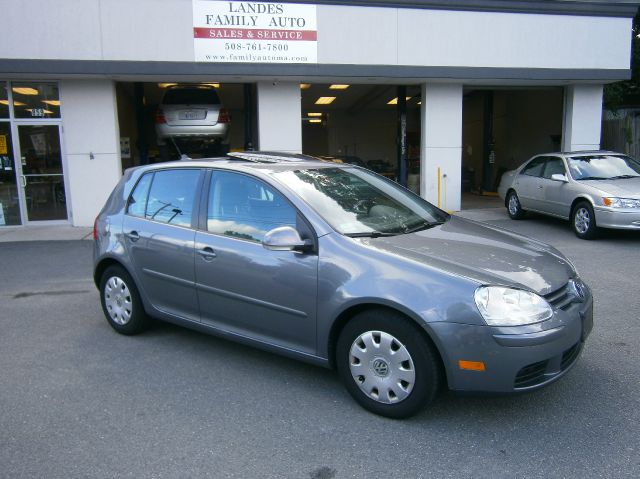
(623, 188)
(483, 253)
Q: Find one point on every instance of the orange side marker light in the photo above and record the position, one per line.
(471, 365)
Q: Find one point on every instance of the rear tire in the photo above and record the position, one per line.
(387, 364)
(513, 206)
(583, 221)
(121, 302)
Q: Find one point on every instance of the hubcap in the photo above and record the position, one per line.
(117, 299)
(382, 367)
(513, 204)
(582, 220)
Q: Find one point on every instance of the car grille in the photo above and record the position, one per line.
(560, 298)
(534, 373)
(531, 375)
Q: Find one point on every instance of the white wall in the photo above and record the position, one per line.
(279, 113)
(582, 117)
(162, 30)
(441, 145)
(90, 125)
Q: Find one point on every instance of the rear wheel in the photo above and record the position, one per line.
(513, 206)
(387, 365)
(121, 302)
(583, 221)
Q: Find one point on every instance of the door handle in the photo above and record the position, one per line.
(133, 236)
(207, 253)
(539, 187)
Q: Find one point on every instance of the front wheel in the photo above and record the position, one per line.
(513, 206)
(387, 364)
(583, 221)
(121, 302)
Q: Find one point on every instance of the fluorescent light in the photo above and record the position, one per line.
(315, 120)
(314, 114)
(52, 102)
(214, 85)
(305, 86)
(420, 102)
(325, 100)
(25, 90)
(339, 87)
(4, 102)
(166, 85)
(15, 103)
(395, 101)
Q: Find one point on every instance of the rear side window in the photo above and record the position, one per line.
(534, 168)
(166, 196)
(246, 208)
(191, 96)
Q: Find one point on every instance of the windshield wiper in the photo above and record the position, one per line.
(592, 178)
(369, 234)
(624, 177)
(423, 226)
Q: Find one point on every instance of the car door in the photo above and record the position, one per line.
(528, 184)
(556, 196)
(243, 288)
(160, 239)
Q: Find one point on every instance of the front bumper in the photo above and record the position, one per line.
(618, 218)
(517, 358)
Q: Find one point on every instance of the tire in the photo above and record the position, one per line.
(395, 387)
(583, 221)
(513, 206)
(121, 302)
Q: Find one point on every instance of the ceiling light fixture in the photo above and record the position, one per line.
(325, 100)
(52, 102)
(339, 87)
(314, 114)
(315, 120)
(305, 86)
(395, 101)
(23, 90)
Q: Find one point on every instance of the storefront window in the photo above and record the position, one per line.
(35, 100)
(9, 202)
(4, 100)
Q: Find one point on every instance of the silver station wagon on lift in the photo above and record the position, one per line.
(594, 189)
(338, 266)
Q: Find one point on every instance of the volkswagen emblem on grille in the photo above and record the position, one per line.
(380, 367)
(577, 288)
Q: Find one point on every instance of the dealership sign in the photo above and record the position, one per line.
(254, 32)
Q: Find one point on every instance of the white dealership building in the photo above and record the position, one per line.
(444, 94)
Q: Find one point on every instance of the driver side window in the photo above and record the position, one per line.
(245, 208)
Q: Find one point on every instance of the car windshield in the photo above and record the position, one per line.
(191, 96)
(603, 167)
(356, 202)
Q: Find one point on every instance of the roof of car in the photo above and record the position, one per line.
(263, 160)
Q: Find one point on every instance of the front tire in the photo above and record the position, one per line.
(583, 221)
(121, 302)
(387, 364)
(513, 206)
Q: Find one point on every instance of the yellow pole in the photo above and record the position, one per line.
(438, 187)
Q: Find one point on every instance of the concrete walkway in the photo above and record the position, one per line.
(66, 232)
(44, 233)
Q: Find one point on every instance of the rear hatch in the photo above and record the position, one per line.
(191, 107)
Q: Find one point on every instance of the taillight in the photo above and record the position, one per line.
(223, 116)
(95, 229)
(160, 116)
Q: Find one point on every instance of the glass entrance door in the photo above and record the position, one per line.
(9, 200)
(42, 177)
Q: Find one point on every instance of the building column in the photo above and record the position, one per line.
(279, 117)
(582, 120)
(91, 139)
(441, 145)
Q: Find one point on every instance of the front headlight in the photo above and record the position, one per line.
(502, 306)
(621, 202)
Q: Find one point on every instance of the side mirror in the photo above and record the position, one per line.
(285, 238)
(559, 177)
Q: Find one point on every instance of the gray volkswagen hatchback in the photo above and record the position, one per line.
(338, 266)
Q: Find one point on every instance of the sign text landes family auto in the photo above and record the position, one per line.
(254, 32)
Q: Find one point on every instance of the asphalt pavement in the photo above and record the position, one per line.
(79, 400)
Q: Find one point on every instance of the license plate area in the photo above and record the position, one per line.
(192, 114)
